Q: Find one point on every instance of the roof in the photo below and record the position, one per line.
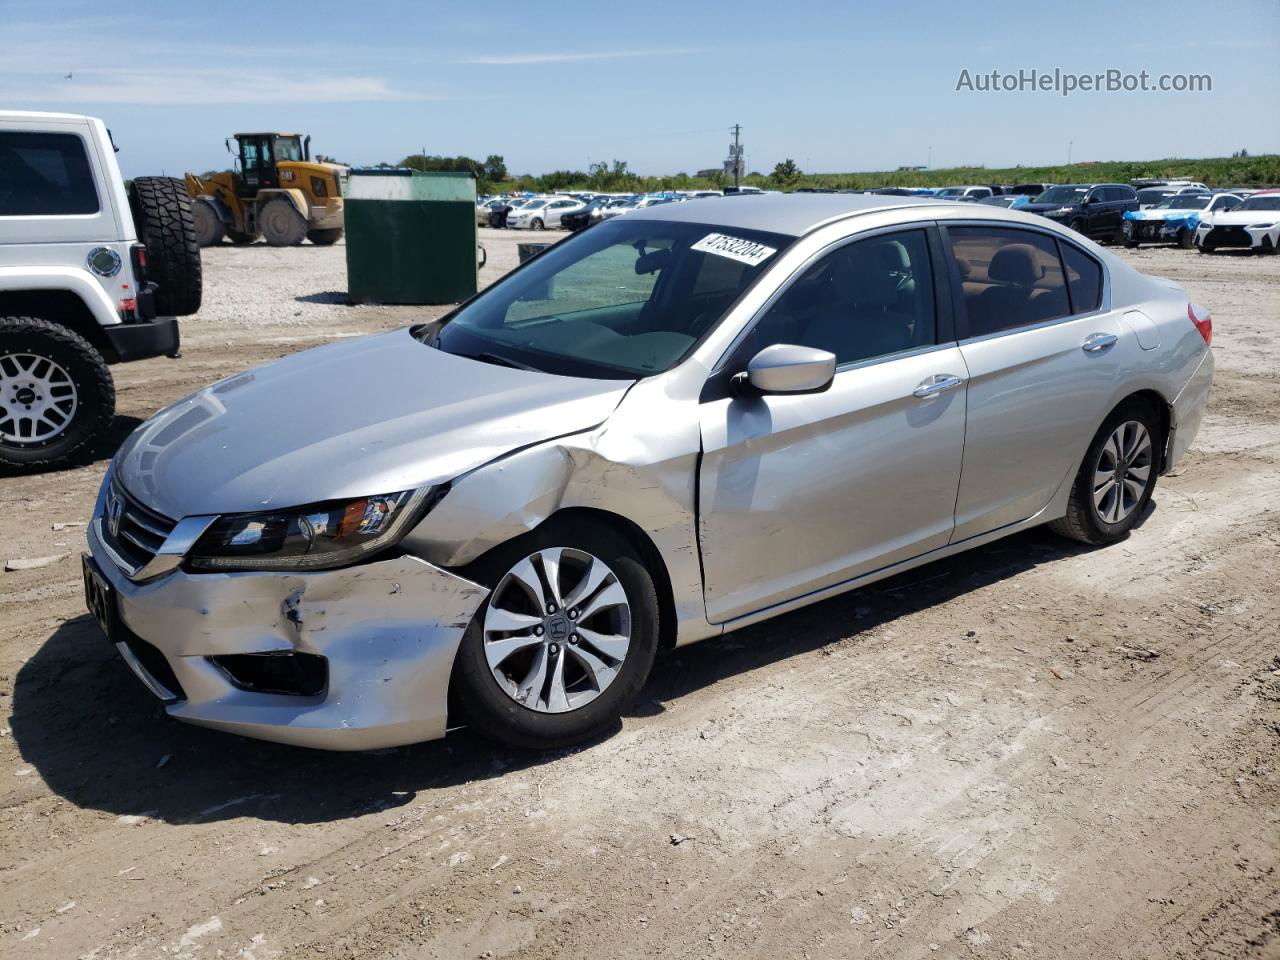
(794, 214)
(266, 133)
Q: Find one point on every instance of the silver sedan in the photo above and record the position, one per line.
(669, 426)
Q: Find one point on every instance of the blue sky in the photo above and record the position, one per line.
(555, 85)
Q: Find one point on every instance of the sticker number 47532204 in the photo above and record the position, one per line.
(735, 248)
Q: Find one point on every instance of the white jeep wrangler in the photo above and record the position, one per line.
(80, 287)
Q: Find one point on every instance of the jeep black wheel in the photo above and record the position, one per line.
(56, 393)
(325, 238)
(163, 218)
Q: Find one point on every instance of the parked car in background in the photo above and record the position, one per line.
(1154, 196)
(668, 427)
(543, 213)
(1095, 209)
(1253, 225)
(578, 219)
(1029, 189)
(499, 215)
(1176, 219)
(970, 194)
(616, 208)
(1009, 201)
(485, 208)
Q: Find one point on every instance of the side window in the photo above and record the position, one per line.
(869, 298)
(1010, 278)
(1084, 279)
(1227, 203)
(45, 174)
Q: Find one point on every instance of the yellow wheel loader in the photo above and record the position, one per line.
(276, 192)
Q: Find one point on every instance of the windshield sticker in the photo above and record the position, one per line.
(735, 248)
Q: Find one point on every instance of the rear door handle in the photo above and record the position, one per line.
(939, 383)
(1097, 342)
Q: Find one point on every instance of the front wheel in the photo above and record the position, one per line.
(325, 238)
(1077, 225)
(564, 642)
(537, 224)
(1116, 479)
(1186, 239)
(56, 393)
(281, 224)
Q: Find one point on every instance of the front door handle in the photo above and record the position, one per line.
(1097, 342)
(939, 383)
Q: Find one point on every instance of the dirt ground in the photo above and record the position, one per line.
(1032, 750)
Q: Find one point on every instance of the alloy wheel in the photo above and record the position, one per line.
(1120, 476)
(557, 630)
(38, 398)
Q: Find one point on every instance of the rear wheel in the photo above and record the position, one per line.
(56, 393)
(1116, 479)
(563, 643)
(281, 224)
(163, 217)
(208, 225)
(324, 238)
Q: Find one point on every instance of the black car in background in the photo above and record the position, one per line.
(580, 219)
(1095, 209)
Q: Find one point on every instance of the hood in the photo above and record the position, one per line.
(374, 415)
(1242, 218)
(1168, 214)
(1042, 207)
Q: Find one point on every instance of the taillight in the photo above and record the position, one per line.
(138, 255)
(1203, 321)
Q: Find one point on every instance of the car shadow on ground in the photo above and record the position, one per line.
(335, 297)
(103, 448)
(99, 740)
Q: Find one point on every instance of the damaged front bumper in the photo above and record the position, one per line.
(351, 659)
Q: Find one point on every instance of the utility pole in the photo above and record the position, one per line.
(1069, 144)
(737, 153)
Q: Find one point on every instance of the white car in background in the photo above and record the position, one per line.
(1175, 220)
(1254, 225)
(970, 194)
(617, 208)
(543, 212)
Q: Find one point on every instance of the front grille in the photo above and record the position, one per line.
(133, 531)
(1228, 237)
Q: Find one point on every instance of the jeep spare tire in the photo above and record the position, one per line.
(162, 216)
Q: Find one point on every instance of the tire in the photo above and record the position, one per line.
(1205, 248)
(86, 394)
(240, 239)
(537, 224)
(1121, 505)
(1131, 244)
(281, 224)
(162, 215)
(1186, 239)
(553, 722)
(325, 238)
(1077, 225)
(207, 224)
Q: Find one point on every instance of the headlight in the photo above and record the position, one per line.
(317, 537)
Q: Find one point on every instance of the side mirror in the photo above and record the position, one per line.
(787, 368)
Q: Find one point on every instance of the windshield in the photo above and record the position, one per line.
(625, 299)
(951, 192)
(1269, 202)
(1187, 201)
(1062, 195)
(1153, 195)
(288, 148)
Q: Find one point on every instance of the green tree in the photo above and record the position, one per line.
(495, 168)
(785, 173)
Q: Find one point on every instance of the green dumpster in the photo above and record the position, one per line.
(411, 236)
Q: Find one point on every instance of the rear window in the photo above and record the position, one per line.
(1010, 278)
(45, 174)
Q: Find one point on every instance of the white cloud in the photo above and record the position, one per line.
(529, 58)
(177, 85)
